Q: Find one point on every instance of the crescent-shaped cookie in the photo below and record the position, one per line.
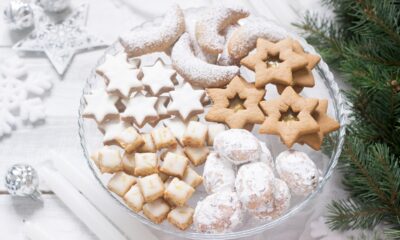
(155, 39)
(196, 71)
(244, 39)
(215, 20)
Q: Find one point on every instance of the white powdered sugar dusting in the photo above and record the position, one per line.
(197, 71)
(213, 21)
(224, 58)
(218, 174)
(298, 171)
(254, 185)
(158, 38)
(218, 213)
(244, 39)
(238, 146)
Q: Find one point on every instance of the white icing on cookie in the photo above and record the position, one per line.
(244, 39)
(157, 38)
(120, 76)
(197, 71)
(112, 129)
(218, 174)
(185, 102)
(157, 78)
(254, 185)
(177, 127)
(140, 110)
(100, 105)
(191, 18)
(215, 20)
(238, 146)
(298, 171)
(161, 106)
(218, 213)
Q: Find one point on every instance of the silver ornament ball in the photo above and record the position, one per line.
(18, 14)
(54, 5)
(22, 180)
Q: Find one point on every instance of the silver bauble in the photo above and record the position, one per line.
(54, 5)
(22, 180)
(18, 14)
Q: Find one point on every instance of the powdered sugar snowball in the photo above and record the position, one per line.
(218, 213)
(238, 146)
(298, 171)
(197, 71)
(218, 174)
(254, 185)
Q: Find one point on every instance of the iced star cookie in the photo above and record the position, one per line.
(155, 39)
(112, 129)
(274, 62)
(140, 110)
(120, 76)
(215, 20)
(197, 71)
(185, 102)
(100, 106)
(158, 78)
(289, 116)
(236, 105)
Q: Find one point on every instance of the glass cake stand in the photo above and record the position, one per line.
(325, 87)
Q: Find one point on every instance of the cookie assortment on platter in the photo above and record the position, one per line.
(162, 122)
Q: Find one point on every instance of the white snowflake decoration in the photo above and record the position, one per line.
(20, 95)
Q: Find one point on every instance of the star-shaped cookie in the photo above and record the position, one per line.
(289, 116)
(120, 76)
(140, 110)
(326, 125)
(112, 129)
(185, 102)
(236, 105)
(158, 78)
(100, 105)
(274, 62)
(303, 77)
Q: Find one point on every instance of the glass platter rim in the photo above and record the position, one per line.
(340, 115)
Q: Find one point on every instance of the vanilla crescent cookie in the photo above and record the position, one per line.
(197, 71)
(244, 38)
(155, 39)
(209, 26)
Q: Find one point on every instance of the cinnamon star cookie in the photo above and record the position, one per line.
(274, 62)
(236, 105)
(289, 116)
(185, 102)
(140, 110)
(326, 125)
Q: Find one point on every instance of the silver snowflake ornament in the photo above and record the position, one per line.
(60, 40)
(22, 180)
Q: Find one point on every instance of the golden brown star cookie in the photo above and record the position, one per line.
(326, 125)
(289, 116)
(274, 62)
(303, 77)
(236, 105)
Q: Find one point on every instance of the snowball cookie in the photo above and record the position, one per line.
(237, 145)
(218, 174)
(266, 155)
(298, 171)
(281, 202)
(218, 213)
(254, 185)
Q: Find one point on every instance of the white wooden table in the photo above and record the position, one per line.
(107, 18)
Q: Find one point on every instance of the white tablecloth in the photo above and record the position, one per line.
(29, 144)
